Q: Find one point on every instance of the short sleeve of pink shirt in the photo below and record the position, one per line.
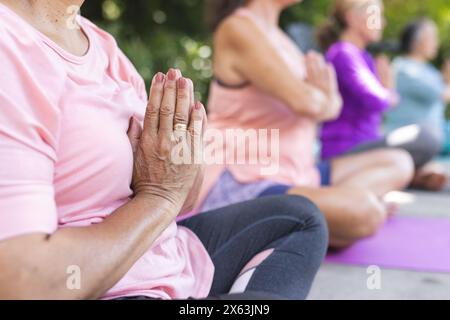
(65, 158)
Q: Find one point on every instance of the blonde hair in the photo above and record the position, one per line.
(331, 31)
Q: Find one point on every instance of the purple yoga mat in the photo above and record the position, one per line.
(419, 244)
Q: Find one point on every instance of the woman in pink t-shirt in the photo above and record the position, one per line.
(91, 186)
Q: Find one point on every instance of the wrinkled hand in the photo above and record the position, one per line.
(168, 150)
(322, 75)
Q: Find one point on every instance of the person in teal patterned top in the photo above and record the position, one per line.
(424, 90)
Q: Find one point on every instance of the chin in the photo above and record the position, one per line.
(432, 55)
(375, 37)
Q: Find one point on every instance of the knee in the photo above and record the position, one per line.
(403, 164)
(430, 142)
(422, 142)
(305, 211)
(367, 216)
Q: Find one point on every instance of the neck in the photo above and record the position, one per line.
(417, 57)
(58, 13)
(354, 38)
(55, 19)
(268, 10)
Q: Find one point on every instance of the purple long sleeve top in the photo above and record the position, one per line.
(364, 97)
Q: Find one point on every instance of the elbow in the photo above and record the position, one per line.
(307, 107)
(16, 283)
(20, 286)
(446, 95)
(378, 102)
(26, 284)
(334, 108)
(42, 292)
(319, 106)
(326, 110)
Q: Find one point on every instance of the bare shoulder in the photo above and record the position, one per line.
(238, 31)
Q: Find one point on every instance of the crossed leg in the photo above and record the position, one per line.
(353, 206)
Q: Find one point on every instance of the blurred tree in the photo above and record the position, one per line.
(157, 34)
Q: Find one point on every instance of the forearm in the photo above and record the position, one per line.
(318, 106)
(307, 101)
(103, 253)
(332, 110)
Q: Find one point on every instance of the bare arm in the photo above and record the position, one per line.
(256, 60)
(446, 94)
(35, 266)
(446, 76)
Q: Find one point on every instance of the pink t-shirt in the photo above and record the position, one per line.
(65, 158)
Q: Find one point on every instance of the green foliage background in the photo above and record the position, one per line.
(158, 34)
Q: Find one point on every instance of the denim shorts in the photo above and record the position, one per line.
(228, 190)
(324, 168)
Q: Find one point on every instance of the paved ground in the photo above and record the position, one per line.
(344, 282)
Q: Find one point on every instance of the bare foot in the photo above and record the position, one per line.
(432, 177)
(391, 208)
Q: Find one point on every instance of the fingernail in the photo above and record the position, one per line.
(182, 83)
(133, 123)
(160, 77)
(172, 74)
(198, 105)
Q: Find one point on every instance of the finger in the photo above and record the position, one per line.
(332, 77)
(183, 104)
(322, 65)
(151, 120)
(314, 65)
(134, 133)
(196, 130)
(383, 61)
(168, 105)
(315, 70)
(205, 118)
(192, 94)
(319, 59)
(205, 121)
(309, 67)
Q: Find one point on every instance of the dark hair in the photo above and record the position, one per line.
(331, 30)
(410, 33)
(219, 10)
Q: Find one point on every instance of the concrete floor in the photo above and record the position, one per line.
(336, 282)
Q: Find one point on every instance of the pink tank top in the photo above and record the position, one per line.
(250, 108)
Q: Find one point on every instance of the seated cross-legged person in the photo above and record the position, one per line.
(368, 89)
(424, 90)
(264, 82)
(71, 144)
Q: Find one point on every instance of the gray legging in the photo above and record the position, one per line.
(291, 225)
(419, 141)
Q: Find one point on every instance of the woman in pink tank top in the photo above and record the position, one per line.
(266, 92)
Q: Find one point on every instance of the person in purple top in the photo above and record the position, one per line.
(365, 100)
(367, 87)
